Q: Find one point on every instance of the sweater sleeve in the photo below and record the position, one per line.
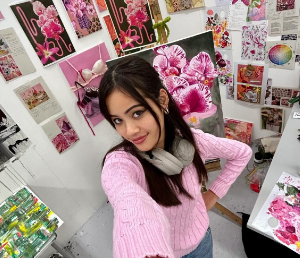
(236, 153)
(141, 229)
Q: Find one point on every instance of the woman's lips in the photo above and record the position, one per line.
(139, 140)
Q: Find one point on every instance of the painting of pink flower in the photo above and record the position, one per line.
(126, 39)
(52, 29)
(51, 12)
(90, 9)
(60, 143)
(46, 52)
(136, 16)
(76, 7)
(38, 8)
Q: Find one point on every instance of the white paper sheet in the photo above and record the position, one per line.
(237, 15)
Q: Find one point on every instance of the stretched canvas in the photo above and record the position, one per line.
(44, 29)
(256, 10)
(272, 119)
(279, 217)
(192, 83)
(83, 16)
(216, 20)
(181, 5)
(132, 21)
(254, 36)
(238, 130)
(224, 67)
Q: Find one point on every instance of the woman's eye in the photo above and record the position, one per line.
(138, 113)
(117, 121)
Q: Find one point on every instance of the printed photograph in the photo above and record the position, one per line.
(272, 119)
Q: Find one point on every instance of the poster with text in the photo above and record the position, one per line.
(14, 61)
(61, 133)
(44, 29)
(36, 96)
(192, 82)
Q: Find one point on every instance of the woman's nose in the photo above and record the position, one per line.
(132, 128)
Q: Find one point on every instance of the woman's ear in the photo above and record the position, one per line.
(163, 98)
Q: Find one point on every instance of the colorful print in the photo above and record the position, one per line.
(113, 35)
(44, 29)
(256, 10)
(101, 5)
(280, 96)
(216, 20)
(229, 92)
(224, 67)
(187, 69)
(132, 22)
(254, 36)
(238, 130)
(272, 119)
(83, 16)
(283, 5)
(250, 74)
(4, 48)
(248, 93)
(180, 5)
(9, 68)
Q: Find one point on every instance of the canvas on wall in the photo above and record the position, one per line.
(279, 217)
(198, 96)
(37, 98)
(238, 130)
(14, 61)
(133, 22)
(181, 5)
(61, 133)
(83, 16)
(44, 29)
(272, 119)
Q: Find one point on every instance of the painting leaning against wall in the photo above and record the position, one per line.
(187, 68)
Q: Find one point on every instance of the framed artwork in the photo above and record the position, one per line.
(272, 119)
(198, 97)
(133, 22)
(238, 130)
(44, 29)
(83, 16)
(216, 20)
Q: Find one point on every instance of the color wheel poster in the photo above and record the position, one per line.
(281, 54)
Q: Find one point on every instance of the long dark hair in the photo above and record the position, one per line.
(133, 75)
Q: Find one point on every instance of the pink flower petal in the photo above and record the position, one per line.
(174, 82)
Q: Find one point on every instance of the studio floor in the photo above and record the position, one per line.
(94, 239)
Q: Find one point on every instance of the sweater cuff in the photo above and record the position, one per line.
(146, 239)
(219, 187)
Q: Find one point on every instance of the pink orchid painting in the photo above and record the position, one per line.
(45, 52)
(126, 38)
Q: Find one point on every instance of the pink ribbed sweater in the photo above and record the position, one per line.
(143, 228)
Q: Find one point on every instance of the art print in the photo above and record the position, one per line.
(113, 35)
(61, 133)
(38, 99)
(224, 67)
(4, 48)
(280, 96)
(229, 92)
(238, 130)
(83, 16)
(9, 68)
(254, 36)
(249, 94)
(279, 217)
(101, 5)
(281, 54)
(181, 5)
(216, 20)
(250, 74)
(283, 5)
(44, 29)
(256, 10)
(187, 69)
(272, 119)
(132, 21)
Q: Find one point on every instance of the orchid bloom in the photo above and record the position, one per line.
(127, 39)
(52, 29)
(46, 52)
(76, 7)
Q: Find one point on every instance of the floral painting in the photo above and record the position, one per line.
(279, 216)
(238, 130)
(101, 5)
(181, 5)
(283, 5)
(4, 48)
(248, 93)
(256, 10)
(132, 21)
(224, 67)
(254, 36)
(187, 68)
(216, 20)
(272, 119)
(250, 74)
(61, 133)
(44, 29)
(83, 16)
(113, 35)
(9, 68)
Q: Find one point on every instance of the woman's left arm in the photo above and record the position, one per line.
(236, 153)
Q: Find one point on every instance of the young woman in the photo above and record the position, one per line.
(157, 214)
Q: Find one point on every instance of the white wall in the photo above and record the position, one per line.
(70, 183)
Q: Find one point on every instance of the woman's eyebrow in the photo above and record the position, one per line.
(134, 106)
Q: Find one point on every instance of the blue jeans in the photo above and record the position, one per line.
(204, 249)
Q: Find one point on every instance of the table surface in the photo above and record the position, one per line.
(286, 158)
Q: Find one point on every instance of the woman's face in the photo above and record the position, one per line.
(136, 124)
